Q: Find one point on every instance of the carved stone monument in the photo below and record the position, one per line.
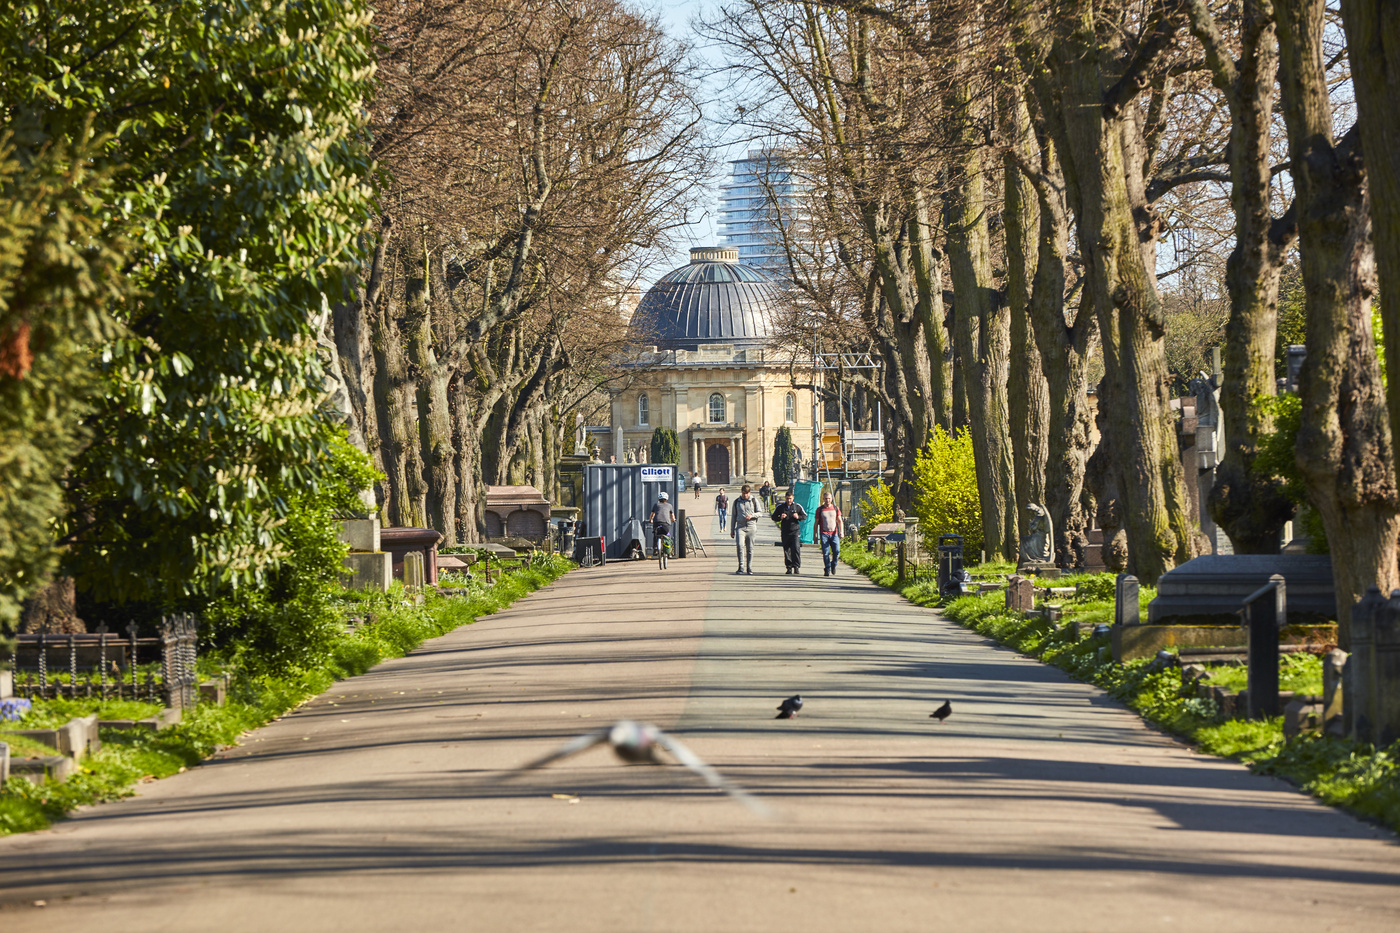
(1038, 546)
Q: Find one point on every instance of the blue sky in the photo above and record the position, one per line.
(675, 17)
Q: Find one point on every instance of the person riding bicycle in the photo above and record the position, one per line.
(662, 515)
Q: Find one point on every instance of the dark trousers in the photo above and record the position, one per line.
(792, 551)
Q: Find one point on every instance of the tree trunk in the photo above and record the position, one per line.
(1250, 507)
(1064, 354)
(1344, 445)
(398, 428)
(1099, 142)
(1373, 45)
(434, 422)
(1028, 397)
(982, 343)
(470, 513)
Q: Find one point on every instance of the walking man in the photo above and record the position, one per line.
(722, 507)
(765, 492)
(829, 528)
(789, 516)
(743, 520)
(698, 482)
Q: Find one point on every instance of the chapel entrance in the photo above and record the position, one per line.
(717, 464)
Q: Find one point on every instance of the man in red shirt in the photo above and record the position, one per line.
(829, 527)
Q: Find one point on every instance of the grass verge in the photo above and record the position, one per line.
(393, 626)
(1357, 776)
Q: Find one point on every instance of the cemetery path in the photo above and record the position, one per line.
(1039, 805)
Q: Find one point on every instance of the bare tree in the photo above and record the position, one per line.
(1344, 446)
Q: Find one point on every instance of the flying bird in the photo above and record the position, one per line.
(638, 743)
(942, 712)
(789, 707)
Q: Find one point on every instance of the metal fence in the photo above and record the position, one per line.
(105, 665)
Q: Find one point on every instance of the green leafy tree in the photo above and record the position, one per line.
(58, 275)
(665, 446)
(782, 458)
(945, 483)
(876, 507)
(234, 138)
(291, 621)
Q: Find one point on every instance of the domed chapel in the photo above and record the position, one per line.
(716, 376)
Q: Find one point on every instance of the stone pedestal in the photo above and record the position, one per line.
(370, 571)
(362, 534)
(367, 567)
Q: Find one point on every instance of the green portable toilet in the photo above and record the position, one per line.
(807, 494)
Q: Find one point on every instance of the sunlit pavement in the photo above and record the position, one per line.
(1039, 804)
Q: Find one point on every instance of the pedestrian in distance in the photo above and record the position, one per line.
(828, 528)
(765, 492)
(722, 508)
(790, 516)
(698, 482)
(743, 524)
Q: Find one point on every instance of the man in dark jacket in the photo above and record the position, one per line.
(789, 516)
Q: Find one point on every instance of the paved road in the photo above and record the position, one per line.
(1039, 805)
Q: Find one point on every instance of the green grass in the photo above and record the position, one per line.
(1300, 673)
(1337, 771)
(394, 626)
(50, 714)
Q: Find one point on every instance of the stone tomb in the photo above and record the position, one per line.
(424, 541)
(1209, 590)
(517, 511)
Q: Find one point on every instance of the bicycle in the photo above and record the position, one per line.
(663, 547)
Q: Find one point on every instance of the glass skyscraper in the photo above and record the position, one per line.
(759, 189)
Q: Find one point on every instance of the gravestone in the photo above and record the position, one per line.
(7, 685)
(1373, 669)
(413, 570)
(1020, 594)
(1127, 610)
(1333, 668)
(4, 763)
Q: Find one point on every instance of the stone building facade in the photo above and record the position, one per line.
(715, 375)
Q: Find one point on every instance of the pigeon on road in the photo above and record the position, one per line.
(638, 743)
(789, 707)
(942, 712)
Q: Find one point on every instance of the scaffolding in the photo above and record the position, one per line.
(840, 451)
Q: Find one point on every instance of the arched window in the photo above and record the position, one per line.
(643, 409)
(717, 409)
(790, 408)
